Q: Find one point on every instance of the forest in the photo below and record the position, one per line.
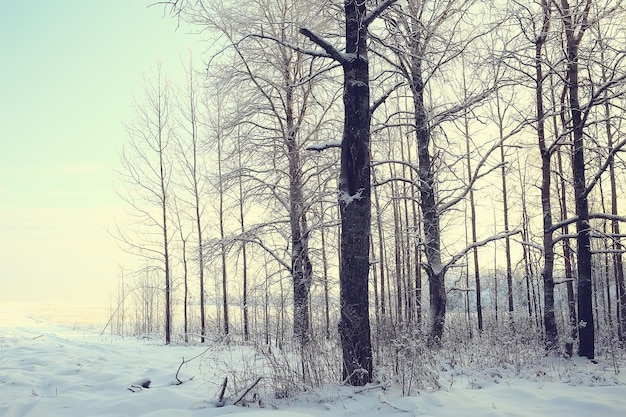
(365, 183)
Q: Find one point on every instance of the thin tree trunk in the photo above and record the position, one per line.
(221, 191)
(567, 254)
(618, 265)
(547, 272)
(472, 203)
(505, 210)
(244, 255)
(381, 245)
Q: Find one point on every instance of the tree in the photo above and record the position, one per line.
(354, 189)
(192, 165)
(425, 39)
(575, 24)
(147, 169)
(546, 184)
(282, 84)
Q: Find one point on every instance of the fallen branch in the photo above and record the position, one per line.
(184, 361)
(245, 391)
(220, 398)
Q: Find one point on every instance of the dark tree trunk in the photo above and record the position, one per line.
(355, 191)
(586, 331)
(354, 203)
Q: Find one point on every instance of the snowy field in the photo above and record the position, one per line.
(53, 362)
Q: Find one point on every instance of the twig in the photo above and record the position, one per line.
(187, 361)
(246, 391)
(220, 398)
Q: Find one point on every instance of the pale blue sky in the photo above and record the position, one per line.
(69, 71)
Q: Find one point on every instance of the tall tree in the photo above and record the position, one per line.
(192, 164)
(147, 170)
(575, 23)
(546, 182)
(354, 188)
(424, 38)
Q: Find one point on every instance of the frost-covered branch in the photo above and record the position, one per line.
(384, 97)
(331, 51)
(377, 11)
(319, 147)
(471, 247)
(570, 220)
(605, 165)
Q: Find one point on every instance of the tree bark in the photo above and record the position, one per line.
(354, 203)
(586, 330)
(431, 219)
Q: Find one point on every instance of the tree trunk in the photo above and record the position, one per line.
(301, 268)
(472, 203)
(547, 273)
(586, 330)
(355, 191)
(428, 205)
(505, 211)
(221, 213)
(244, 254)
(354, 202)
(567, 255)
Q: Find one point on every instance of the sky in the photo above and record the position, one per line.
(70, 71)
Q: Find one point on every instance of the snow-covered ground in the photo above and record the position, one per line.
(52, 369)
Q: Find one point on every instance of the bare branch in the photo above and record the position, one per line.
(385, 96)
(377, 11)
(331, 51)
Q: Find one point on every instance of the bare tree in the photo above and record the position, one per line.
(425, 37)
(192, 165)
(575, 23)
(147, 170)
(354, 188)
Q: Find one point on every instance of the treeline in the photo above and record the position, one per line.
(397, 161)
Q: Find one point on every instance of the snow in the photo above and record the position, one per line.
(349, 199)
(59, 365)
(323, 146)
